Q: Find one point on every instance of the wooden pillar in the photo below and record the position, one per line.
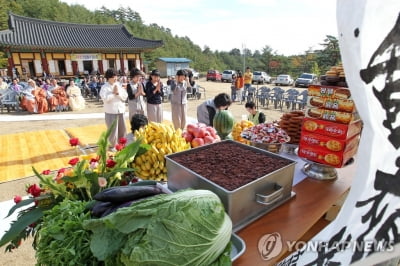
(45, 64)
(121, 59)
(100, 64)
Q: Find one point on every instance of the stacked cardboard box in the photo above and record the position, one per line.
(331, 130)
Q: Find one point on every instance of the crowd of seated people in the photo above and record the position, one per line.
(41, 96)
(50, 94)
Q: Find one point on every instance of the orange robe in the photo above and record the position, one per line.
(41, 99)
(28, 103)
(61, 98)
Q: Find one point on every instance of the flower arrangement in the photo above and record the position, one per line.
(86, 176)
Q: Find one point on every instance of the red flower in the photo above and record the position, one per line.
(46, 172)
(73, 161)
(119, 146)
(94, 160)
(61, 171)
(74, 141)
(17, 199)
(34, 190)
(60, 174)
(122, 141)
(111, 163)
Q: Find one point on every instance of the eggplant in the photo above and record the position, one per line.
(144, 183)
(127, 193)
(100, 207)
(115, 207)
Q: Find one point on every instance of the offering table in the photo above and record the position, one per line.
(296, 217)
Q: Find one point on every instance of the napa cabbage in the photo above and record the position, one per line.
(188, 227)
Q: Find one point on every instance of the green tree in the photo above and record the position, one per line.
(330, 54)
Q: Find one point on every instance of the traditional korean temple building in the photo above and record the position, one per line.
(37, 47)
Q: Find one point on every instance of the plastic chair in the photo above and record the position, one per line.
(251, 94)
(9, 100)
(277, 96)
(263, 95)
(301, 99)
(290, 98)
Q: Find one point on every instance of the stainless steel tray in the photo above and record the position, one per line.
(238, 247)
(247, 203)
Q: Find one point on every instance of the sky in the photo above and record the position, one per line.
(288, 27)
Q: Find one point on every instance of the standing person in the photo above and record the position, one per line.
(254, 116)
(233, 88)
(154, 94)
(114, 97)
(248, 79)
(179, 99)
(135, 90)
(207, 110)
(76, 101)
(239, 83)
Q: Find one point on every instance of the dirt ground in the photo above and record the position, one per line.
(25, 254)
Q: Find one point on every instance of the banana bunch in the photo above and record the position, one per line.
(238, 127)
(164, 140)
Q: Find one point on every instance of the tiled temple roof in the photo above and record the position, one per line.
(35, 33)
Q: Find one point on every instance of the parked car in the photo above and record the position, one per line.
(305, 79)
(261, 77)
(284, 79)
(227, 75)
(213, 75)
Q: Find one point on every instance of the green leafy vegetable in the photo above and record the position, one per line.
(184, 228)
(61, 239)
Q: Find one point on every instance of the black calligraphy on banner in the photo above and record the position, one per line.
(381, 223)
(387, 96)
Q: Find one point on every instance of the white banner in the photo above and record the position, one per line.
(85, 57)
(366, 231)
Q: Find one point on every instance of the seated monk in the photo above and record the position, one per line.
(41, 99)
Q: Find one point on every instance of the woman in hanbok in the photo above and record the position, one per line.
(60, 97)
(76, 101)
(28, 101)
(41, 99)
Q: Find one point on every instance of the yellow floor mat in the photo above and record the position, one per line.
(89, 135)
(47, 149)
